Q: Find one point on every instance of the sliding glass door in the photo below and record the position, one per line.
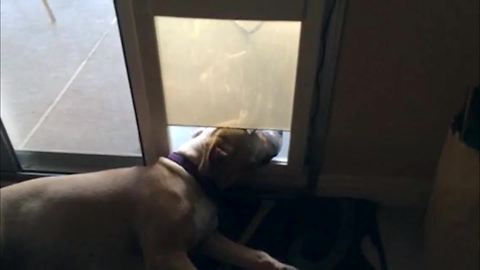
(92, 84)
(65, 94)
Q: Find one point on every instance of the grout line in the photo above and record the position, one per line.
(66, 87)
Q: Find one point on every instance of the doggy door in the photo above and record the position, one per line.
(236, 73)
(249, 64)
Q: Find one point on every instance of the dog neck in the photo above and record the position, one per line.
(207, 184)
(196, 150)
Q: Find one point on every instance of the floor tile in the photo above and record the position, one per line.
(96, 113)
(38, 58)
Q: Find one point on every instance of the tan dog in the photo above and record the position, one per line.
(133, 218)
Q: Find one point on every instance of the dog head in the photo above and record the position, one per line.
(224, 153)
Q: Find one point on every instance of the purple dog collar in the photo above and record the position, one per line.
(207, 184)
(185, 163)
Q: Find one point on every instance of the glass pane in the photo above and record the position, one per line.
(228, 72)
(63, 78)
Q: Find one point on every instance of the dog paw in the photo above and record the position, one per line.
(266, 262)
(288, 267)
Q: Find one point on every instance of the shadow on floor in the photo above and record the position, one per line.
(309, 233)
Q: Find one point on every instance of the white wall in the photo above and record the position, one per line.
(404, 69)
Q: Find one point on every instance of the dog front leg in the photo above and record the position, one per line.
(226, 251)
(164, 253)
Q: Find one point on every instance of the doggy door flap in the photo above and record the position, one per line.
(215, 71)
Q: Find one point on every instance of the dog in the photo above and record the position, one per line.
(144, 217)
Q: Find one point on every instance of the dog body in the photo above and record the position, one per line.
(130, 218)
(55, 218)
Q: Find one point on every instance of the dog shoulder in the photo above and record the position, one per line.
(164, 193)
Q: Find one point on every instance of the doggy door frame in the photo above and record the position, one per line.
(137, 29)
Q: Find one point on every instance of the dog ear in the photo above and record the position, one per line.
(197, 132)
(219, 153)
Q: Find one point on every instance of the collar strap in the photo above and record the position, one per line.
(206, 183)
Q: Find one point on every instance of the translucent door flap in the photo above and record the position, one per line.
(228, 72)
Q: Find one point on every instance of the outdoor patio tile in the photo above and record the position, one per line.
(38, 58)
(96, 113)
